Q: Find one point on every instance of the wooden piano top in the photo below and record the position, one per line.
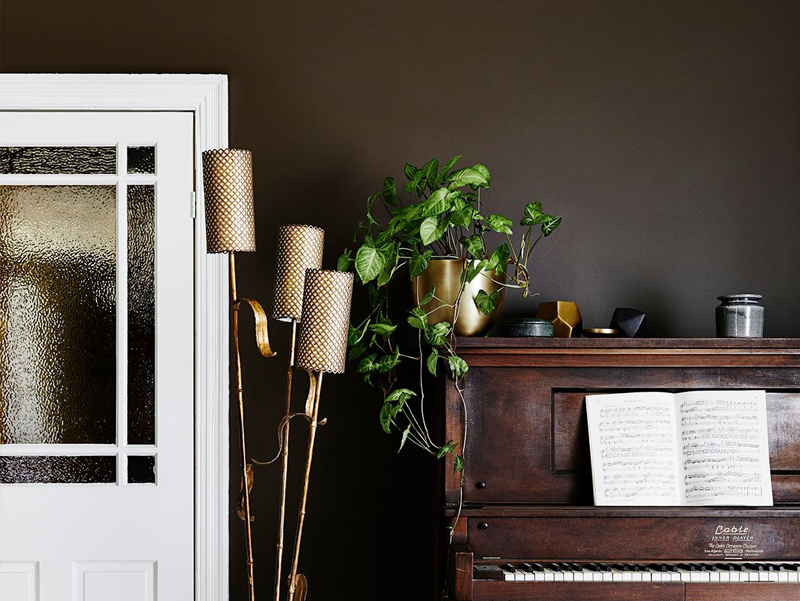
(630, 343)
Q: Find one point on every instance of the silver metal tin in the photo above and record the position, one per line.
(740, 316)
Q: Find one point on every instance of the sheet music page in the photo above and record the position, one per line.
(723, 436)
(633, 444)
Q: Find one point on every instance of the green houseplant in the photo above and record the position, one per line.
(440, 217)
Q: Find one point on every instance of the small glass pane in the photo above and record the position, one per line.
(37, 469)
(141, 159)
(57, 314)
(84, 160)
(141, 469)
(141, 315)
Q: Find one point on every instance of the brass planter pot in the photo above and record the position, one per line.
(445, 274)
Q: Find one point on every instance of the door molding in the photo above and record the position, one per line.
(207, 97)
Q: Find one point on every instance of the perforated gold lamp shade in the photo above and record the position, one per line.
(299, 248)
(326, 317)
(228, 189)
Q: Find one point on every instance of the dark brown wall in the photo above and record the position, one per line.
(667, 133)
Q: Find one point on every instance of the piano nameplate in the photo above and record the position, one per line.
(735, 540)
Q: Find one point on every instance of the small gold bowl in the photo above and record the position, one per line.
(600, 332)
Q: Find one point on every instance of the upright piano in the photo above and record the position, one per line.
(525, 527)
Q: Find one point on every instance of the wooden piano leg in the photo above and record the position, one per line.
(461, 558)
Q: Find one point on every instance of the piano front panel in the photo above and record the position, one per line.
(529, 440)
(670, 537)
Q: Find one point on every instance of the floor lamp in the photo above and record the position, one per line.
(230, 228)
(322, 349)
(299, 248)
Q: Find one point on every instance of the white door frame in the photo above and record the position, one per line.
(207, 97)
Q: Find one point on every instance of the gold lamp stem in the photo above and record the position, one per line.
(247, 527)
(302, 513)
(285, 464)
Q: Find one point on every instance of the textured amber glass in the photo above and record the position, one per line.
(141, 159)
(141, 469)
(37, 469)
(57, 314)
(58, 159)
(141, 315)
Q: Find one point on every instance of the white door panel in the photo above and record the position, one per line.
(96, 499)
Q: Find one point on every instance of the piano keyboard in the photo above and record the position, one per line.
(631, 572)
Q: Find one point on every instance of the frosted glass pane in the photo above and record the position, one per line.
(37, 469)
(58, 159)
(141, 315)
(141, 159)
(141, 469)
(57, 314)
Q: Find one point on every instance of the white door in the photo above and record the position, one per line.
(96, 356)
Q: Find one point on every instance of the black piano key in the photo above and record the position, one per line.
(555, 567)
(605, 568)
(527, 567)
(510, 567)
(593, 567)
(538, 567)
(658, 567)
(576, 567)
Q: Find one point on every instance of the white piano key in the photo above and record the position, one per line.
(793, 576)
(714, 576)
(783, 576)
(724, 576)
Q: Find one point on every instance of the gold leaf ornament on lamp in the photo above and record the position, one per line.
(322, 349)
(230, 228)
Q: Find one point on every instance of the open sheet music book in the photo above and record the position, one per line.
(691, 448)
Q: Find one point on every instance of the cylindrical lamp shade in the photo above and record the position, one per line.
(326, 317)
(228, 188)
(299, 248)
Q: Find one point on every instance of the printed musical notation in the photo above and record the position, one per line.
(694, 448)
(724, 448)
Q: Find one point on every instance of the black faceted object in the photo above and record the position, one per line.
(630, 322)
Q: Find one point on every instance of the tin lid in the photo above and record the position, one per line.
(740, 298)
